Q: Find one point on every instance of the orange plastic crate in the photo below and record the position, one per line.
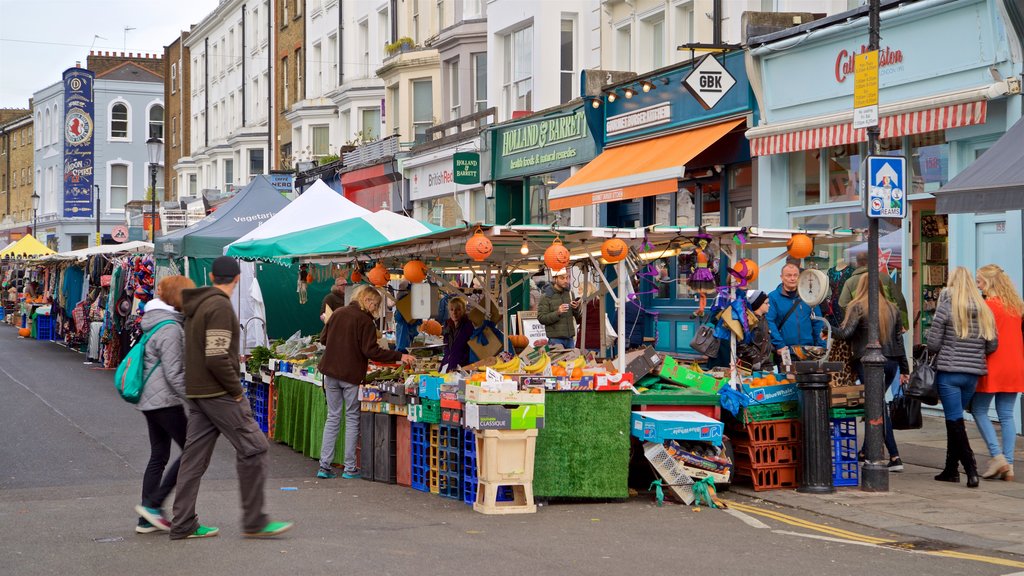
(771, 432)
(770, 477)
(757, 455)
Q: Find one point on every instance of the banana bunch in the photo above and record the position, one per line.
(539, 366)
(509, 367)
(572, 369)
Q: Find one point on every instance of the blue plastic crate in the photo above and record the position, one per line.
(843, 427)
(420, 467)
(450, 485)
(845, 473)
(845, 467)
(44, 328)
(257, 393)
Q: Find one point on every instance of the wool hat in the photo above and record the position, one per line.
(755, 299)
(225, 267)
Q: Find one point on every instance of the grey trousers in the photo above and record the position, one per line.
(208, 418)
(340, 395)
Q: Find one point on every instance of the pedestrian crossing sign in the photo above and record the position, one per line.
(884, 187)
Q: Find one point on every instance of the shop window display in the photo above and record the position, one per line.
(929, 162)
(540, 187)
(805, 178)
(844, 165)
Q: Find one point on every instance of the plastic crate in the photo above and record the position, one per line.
(506, 456)
(768, 432)
(419, 465)
(845, 467)
(840, 412)
(843, 428)
(758, 455)
(258, 395)
(845, 473)
(434, 457)
(469, 480)
(44, 328)
(678, 482)
(770, 477)
(769, 412)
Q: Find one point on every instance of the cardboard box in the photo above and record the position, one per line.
(546, 382)
(613, 382)
(478, 395)
(700, 473)
(504, 417)
(675, 372)
(430, 387)
(680, 425)
(640, 363)
(492, 347)
(847, 396)
(772, 394)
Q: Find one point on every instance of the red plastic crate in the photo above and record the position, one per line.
(770, 477)
(758, 455)
(771, 432)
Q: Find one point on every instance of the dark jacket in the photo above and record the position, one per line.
(556, 324)
(350, 341)
(456, 343)
(856, 331)
(336, 300)
(799, 329)
(166, 384)
(955, 354)
(211, 344)
(892, 291)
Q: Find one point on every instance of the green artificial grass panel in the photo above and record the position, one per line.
(583, 449)
(300, 418)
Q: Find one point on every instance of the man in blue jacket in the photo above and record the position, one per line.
(789, 317)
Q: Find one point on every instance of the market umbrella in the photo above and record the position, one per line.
(359, 233)
(28, 246)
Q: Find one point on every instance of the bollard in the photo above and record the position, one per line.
(813, 379)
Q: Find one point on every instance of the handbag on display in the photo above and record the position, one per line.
(905, 412)
(704, 341)
(922, 381)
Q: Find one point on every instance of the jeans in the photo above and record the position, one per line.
(165, 425)
(1006, 402)
(340, 395)
(892, 367)
(955, 392)
(567, 343)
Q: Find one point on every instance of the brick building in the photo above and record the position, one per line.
(290, 38)
(16, 182)
(177, 144)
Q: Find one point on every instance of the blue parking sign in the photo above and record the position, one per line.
(886, 187)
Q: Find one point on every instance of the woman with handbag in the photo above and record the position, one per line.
(1005, 378)
(855, 329)
(962, 334)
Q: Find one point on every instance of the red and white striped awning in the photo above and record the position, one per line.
(894, 126)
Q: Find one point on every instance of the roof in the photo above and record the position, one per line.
(130, 72)
(135, 247)
(317, 206)
(992, 183)
(860, 11)
(27, 245)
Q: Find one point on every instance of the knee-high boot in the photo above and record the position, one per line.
(949, 472)
(967, 455)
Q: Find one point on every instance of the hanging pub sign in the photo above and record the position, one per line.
(78, 143)
(709, 81)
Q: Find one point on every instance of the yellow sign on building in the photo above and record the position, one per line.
(865, 90)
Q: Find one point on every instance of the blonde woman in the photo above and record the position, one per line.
(1005, 378)
(962, 334)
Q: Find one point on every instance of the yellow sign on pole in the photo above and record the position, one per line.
(865, 89)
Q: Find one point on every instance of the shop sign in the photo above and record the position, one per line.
(543, 145)
(865, 90)
(119, 234)
(467, 167)
(886, 187)
(846, 62)
(78, 143)
(709, 81)
(431, 180)
(637, 119)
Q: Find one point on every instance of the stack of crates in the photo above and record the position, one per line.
(469, 464)
(450, 457)
(419, 465)
(845, 468)
(768, 453)
(258, 395)
(434, 458)
(44, 328)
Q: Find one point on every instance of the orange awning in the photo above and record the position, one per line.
(639, 169)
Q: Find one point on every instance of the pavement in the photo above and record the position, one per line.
(990, 517)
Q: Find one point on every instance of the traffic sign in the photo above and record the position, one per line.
(119, 233)
(885, 187)
(865, 90)
(709, 81)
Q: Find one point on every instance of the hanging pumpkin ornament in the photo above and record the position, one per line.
(745, 270)
(614, 250)
(303, 281)
(356, 277)
(479, 247)
(800, 246)
(556, 257)
(379, 275)
(415, 271)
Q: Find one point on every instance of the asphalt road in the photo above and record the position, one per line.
(71, 461)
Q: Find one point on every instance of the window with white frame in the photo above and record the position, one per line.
(653, 37)
(58, 124)
(229, 174)
(156, 121)
(440, 15)
(422, 108)
(454, 88)
(231, 112)
(567, 59)
(231, 48)
(684, 24)
(118, 178)
(624, 47)
(46, 125)
(215, 114)
(174, 78)
(284, 13)
(364, 49)
(479, 81)
(518, 81)
(120, 121)
(384, 26)
(416, 20)
(332, 60)
(284, 76)
(370, 118)
(256, 97)
(39, 129)
(300, 88)
(321, 140)
(255, 161)
(472, 9)
(318, 75)
(254, 37)
(174, 132)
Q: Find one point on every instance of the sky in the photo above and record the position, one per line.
(39, 39)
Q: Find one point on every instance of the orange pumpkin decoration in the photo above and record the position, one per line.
(379, 275)
(309, 278)
(431, 327)
(614, 250)
(752, 269)
(800, 246)
(479, 247)
(356, 277)
(415, 271)
(556, 257)
(24, 332)
(518, 341)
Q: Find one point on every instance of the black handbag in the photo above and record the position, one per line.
(922, 382)
(704, 341)
(905, 413)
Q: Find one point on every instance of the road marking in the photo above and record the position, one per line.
(746, 519)
(825, 538)
(794, 521)
(977, 558)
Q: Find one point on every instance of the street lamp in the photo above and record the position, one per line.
(96, 192)
(156, 154)
(35, 209)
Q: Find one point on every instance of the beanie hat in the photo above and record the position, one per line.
(755, 299)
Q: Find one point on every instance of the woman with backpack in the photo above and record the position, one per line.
(162, 399)
(962, 335)
(890, 334)
(1005, 378)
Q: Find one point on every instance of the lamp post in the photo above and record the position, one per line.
(35, 210)
(96, 192)
(156, 153)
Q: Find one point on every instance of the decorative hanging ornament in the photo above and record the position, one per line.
(479, 247)
(614, 250)
(303, 281)
(746, 270)
(356, 277)
(415, 271)
(556, 257)
(379, 275)
(703, 278)
(800, 246)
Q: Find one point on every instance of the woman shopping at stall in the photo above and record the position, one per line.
(855, 329)
(457, 331)
(1005, 378)
(162, 399)
(962, 335)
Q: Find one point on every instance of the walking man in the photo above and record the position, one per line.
(218, 406)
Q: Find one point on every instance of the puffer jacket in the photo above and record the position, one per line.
(557, 324)
(166, 385)
(960, 355)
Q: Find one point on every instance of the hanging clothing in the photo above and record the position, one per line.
(836, 280)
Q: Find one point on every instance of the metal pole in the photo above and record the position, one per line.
(620, 272)
(99, 237)
(152, 203)
(875, 477)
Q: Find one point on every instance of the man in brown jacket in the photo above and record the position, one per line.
(213, 385)
(350, 341)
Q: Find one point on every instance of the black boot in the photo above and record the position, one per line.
(949, 472)
(967, 455)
